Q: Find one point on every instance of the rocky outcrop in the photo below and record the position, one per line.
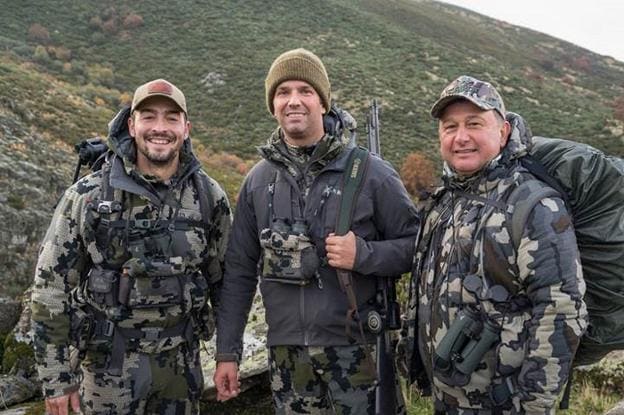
(34, 170)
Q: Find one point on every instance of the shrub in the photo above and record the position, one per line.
(39, 34)
(417, 173)
(618, 108)
(132, 21)
(61, 53)
(41, 54)
(110, 26)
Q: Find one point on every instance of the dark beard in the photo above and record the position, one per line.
(159, 159)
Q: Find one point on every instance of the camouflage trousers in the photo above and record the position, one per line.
(323, 380)
(169, 382)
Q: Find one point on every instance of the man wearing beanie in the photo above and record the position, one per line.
(516, 290)
(283, 232)
(128, 269)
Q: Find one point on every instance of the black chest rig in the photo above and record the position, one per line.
(144, 289)
(289, 255)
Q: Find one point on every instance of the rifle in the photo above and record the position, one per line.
(388, 316)
(90, 152)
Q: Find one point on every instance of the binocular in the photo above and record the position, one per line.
(464, 345)
(297, 228)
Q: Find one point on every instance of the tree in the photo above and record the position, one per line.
(417, 173)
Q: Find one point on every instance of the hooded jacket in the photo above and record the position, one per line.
(384, 222)
(532, 296)
(81, 238)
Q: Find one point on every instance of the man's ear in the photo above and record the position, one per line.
(131, 125)
(189, 127)
(505, 130)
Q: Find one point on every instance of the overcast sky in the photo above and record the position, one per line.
(596, 25)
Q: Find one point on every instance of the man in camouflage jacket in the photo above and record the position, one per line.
(127, 267)
(283, 230)
(496, 326)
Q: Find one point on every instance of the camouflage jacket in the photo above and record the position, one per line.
(74, 246)
(384, 222)
(533, 295)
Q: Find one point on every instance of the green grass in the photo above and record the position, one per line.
(218, 52)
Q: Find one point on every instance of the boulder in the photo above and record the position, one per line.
(617, 409)
(9, 314)
(255, 356)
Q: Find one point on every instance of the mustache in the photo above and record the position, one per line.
(168, 136)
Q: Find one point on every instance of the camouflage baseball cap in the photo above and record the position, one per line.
(480, 93)
(159, 87)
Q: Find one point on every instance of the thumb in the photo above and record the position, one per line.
(74, 400)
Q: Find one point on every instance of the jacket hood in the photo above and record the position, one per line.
(123, 146)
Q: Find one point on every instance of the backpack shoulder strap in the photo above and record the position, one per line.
(206, 200)
(522, 205)
(356, 168)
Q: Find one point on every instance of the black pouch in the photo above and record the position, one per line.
(81, 328)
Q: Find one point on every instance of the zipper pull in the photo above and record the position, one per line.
(319, 280)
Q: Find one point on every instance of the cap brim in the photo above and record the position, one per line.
(138, 104)
(440, 105)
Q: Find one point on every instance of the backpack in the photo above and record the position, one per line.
(592, 186)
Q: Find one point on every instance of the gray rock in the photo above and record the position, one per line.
(15, 411)
(255, 356)
(9, 314)
(617, 409)
(16, 389)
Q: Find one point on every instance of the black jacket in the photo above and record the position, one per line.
(384, 221)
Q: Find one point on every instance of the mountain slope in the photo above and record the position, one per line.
(67, 66)
(400, 51)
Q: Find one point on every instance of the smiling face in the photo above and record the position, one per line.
(470, 137)
(299, 112)
(159, 128)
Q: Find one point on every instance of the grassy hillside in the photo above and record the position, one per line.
(218, 52)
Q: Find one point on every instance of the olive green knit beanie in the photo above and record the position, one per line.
(298, 64)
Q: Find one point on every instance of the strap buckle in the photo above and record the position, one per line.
(104, 328)
(151, 333)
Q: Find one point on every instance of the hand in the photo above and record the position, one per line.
(226, 380)
(341, 250)
(60, 404)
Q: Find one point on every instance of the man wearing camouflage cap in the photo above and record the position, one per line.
(128, 269)
(493, 322)
(283, 230)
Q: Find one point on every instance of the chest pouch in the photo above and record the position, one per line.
(102, 285)
(164, 284)
(289, 256)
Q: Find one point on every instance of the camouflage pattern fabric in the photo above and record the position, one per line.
(298, 159)
(75, 246)
(480, 93)
(288, 257)
(168, 383)
(323, 380)
(466, 259)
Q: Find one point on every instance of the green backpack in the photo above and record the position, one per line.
(592, 185)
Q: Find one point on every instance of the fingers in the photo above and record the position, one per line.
(58, 405)
(74, 400)
(341, 250)
(226, 381)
